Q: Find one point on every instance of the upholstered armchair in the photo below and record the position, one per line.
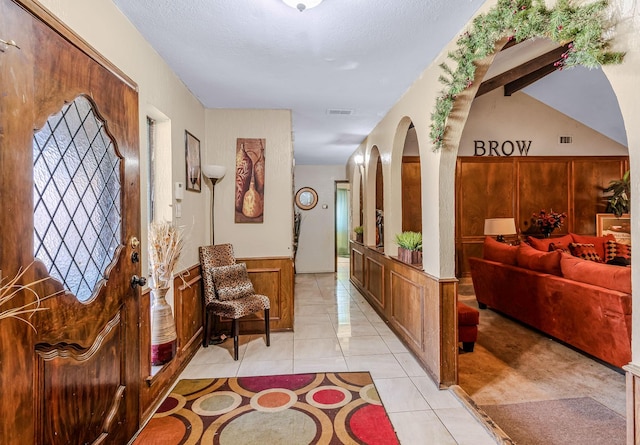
(228, 292)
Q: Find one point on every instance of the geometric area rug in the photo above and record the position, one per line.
(324, 408)
(580, 420)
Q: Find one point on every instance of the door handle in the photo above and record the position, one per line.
(138, 281)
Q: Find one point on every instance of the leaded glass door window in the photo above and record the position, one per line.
(77, 203)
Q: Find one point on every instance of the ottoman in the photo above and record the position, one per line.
(468, 319)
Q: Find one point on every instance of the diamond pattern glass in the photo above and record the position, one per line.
(77, 207)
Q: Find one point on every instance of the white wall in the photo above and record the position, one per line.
(316, 245)
(522, 118)
(273, 237)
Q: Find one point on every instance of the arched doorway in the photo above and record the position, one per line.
(505, 183)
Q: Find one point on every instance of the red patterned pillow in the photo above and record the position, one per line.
(585, 251)
(597, 241)
(614, 249)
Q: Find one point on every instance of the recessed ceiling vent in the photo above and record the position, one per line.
(340, 112)
(566, 139)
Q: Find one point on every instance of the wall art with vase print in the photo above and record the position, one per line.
(250, 172)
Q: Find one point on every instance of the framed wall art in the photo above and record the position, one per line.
(250, 181)
(619, 227)
(192, 155)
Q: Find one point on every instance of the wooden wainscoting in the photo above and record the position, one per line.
(419, 308)
(187, 304)
(493, 187)
(273, 277)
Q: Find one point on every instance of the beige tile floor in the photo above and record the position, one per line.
(336, 330)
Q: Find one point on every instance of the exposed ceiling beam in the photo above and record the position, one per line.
(527, 80)
(538, 65)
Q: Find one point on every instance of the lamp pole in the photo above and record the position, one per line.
(213, 188)
(214, 173)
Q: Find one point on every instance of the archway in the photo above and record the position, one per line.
(460, 144)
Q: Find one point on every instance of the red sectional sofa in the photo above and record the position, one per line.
(583, 303)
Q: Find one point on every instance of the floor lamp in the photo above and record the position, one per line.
(214, 173)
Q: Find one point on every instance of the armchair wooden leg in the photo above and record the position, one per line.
(266, 326)
(205, 333)
(236, 332)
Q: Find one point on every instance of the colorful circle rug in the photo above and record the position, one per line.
(297, 409)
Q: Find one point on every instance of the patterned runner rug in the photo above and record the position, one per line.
(325, 408)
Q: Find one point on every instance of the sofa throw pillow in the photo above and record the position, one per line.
(603, 275)
(533, 259)
(544, 243)
(499, 252)
(564, 248)
(614, 249)
(585, 251)
(597, 241)
(232, 282)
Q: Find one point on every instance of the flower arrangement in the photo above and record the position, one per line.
(359, 230)
(165, 245)
(548, 222)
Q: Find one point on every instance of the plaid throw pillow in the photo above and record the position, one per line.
(585, 251)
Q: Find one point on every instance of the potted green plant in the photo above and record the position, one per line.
(409, 247)
(619, 201)
(359, 231)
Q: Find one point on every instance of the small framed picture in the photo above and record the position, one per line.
(619, 227)
(192, 155)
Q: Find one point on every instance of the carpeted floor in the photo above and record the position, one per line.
(326, 408)
(558, 422)
(512, 364)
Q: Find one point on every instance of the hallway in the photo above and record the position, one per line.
(336, 330)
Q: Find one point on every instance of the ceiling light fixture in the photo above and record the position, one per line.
(302, 5)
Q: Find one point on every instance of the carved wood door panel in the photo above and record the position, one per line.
(69, 199)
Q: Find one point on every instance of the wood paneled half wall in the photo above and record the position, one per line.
(419, 308)
(496, 187)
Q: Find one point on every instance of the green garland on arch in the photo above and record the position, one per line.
(583, 27)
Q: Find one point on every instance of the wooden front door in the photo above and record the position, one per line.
(69, 200)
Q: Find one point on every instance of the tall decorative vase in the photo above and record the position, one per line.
(164, 339)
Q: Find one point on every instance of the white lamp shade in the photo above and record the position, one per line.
(302, 5)
(214, 171)
(499, 226)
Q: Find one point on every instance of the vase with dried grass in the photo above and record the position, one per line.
(165, 246)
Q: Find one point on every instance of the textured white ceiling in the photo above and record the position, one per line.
(359, 55)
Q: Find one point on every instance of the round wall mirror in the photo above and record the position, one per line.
(306, 198)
